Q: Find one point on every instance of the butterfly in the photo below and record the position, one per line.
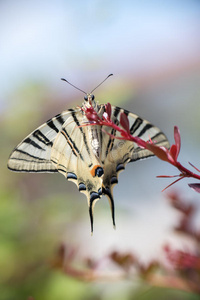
(89, 156)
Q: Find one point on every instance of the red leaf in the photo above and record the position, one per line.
(173, 152)
(177, 139)
(195, 187)
(124, 121)
(161, 153)
(108, 110)
(92, 117)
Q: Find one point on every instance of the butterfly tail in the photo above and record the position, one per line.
(92, 199)
(108, 193)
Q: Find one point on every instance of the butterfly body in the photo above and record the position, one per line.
(89, 156)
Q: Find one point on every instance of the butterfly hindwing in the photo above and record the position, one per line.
(73, 156)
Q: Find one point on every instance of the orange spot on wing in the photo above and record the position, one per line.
(92, 171)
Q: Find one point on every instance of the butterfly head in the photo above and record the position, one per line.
(89, 100)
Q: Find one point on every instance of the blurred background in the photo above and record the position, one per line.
(153, 50)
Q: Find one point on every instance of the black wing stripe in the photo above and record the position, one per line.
(136, 125)
(126, 158)
(42, 138)
(140, 158)
(111, 140)
(157, 135)
(144, 129)
(132, 148)
(81, 130)
(28, 154)
(113, 131)
(61, 170)
(126, 112)
(60, 165)
(51, 124)
(64, 133)
(34, 144)
(116, 121)
(34, 171)
(60, 119)
(27, 160)
(116, 111)
(72, 144)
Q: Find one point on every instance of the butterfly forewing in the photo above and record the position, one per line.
(33, 154)
(147, 132)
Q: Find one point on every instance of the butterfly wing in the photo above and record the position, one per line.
(73, 156)
(117, 153)
(34, 152)
(62, 145)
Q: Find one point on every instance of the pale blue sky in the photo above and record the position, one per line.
(46, 40)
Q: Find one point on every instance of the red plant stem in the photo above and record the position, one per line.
(141, 143)
(186, 172)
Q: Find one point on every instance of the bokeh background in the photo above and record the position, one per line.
(153, 50)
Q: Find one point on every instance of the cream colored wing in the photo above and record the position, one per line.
(117, 153)
(62, 145)
(33, 154)
(72, 156)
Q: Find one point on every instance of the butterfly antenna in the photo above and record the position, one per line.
(73, 85)
(101, 82)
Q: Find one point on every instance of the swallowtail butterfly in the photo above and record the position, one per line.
(86, 155)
